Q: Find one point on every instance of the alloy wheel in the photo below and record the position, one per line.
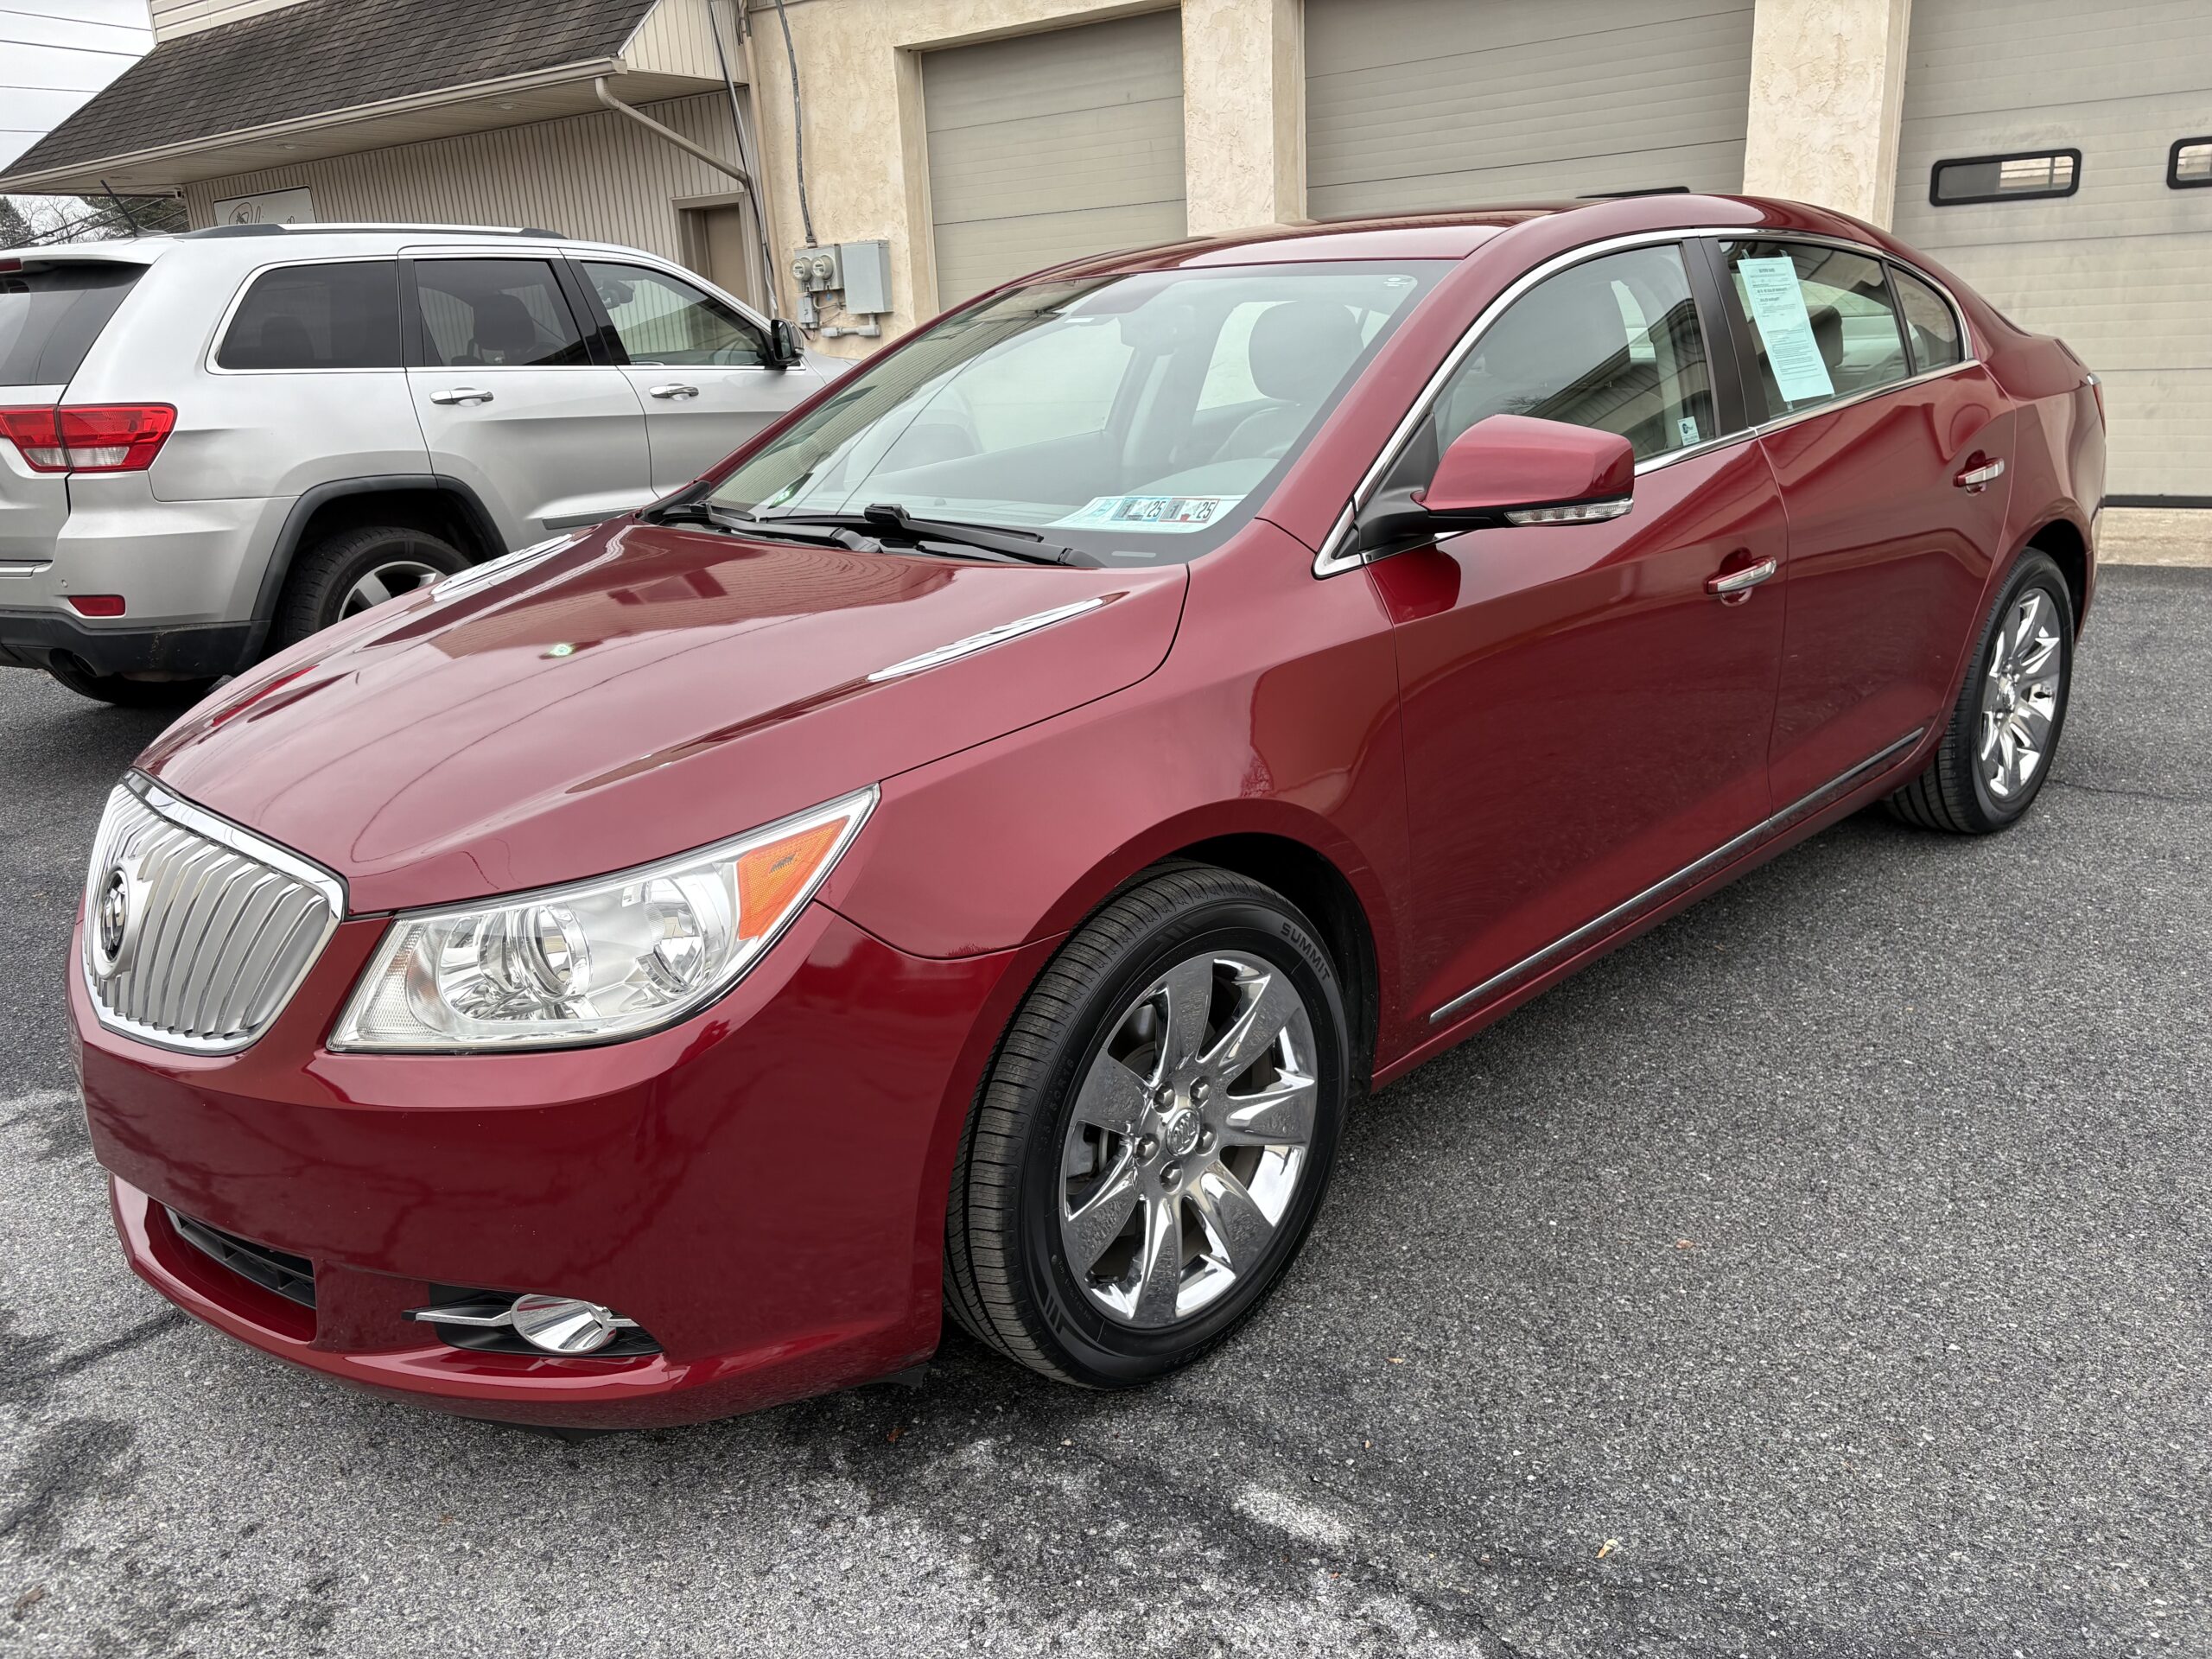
(1188, 1139)
(387, 581)
(2019, 696)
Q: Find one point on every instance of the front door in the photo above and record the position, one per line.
(1584, 719)
(513, 405)
(1891, 452)
(700, 367)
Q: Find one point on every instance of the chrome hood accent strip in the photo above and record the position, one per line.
(985, 640)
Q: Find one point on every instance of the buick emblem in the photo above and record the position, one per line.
(111, 923)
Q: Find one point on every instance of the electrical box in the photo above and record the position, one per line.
(865, 273)
(817, 270)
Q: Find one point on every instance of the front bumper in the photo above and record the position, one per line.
(762, 1188)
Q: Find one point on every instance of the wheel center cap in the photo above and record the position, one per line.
(1180, 1131)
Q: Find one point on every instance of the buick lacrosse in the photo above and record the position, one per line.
(970, 852)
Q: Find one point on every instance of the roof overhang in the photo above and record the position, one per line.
(509, 101)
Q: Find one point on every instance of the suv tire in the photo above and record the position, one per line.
(2013, 705)
(345, 573)
(1131, 1184)
(125, 693)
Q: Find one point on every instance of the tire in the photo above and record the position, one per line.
(2021, 674)
(1083, 1052)
(125, 693)
(327, 578)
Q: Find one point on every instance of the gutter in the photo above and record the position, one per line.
(64, 177)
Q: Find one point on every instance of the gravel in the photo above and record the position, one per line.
(1824, 1273)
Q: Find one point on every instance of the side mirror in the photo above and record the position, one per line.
(786, 348)
(1509, 470)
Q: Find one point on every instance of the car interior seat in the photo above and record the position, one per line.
(1297, 352)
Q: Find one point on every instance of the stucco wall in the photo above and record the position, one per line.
(1828, 93)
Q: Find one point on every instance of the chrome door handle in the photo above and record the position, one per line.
(1981, 477)
(1739, 582)
(673, 389)
(461, 395)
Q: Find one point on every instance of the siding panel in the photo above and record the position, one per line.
(597, 177)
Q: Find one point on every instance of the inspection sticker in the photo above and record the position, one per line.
(1778, 306)
(1180, 513)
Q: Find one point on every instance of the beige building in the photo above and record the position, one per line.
(2059, 158)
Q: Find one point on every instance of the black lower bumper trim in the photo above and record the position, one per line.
(34, 638)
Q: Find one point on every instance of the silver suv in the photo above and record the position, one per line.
(212, 445)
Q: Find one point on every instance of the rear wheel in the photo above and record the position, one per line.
(1155, 1136)
(345, 574)
(2005, 724)
(128, 693)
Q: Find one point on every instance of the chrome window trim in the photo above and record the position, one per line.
(1659, 890)
(245, 286)
(246, 844)
(1333, 560)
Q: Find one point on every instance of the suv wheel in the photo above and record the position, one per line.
(346, 574)
(1155, 1136)
(125, 693)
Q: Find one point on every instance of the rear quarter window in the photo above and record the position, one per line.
(341, 316)
(49, 318)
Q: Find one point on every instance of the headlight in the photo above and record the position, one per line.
(600, 961)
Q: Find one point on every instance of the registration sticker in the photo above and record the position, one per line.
(1179, 514)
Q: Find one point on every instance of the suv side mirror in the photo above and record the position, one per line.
(1509, 470)
(785, 348)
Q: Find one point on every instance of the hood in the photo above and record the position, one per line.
(648, 691)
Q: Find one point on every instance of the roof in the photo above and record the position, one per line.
(320, 56)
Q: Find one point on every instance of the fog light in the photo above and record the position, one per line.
(561, 1324)
(552, 1325)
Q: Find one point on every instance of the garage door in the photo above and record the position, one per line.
(1413, 103)
(2117, 268)
(1047, 147)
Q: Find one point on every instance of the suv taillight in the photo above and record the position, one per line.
(89, 437)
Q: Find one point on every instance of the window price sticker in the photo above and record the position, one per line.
(1178, 513)
(1777, 306)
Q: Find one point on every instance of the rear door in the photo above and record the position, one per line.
(699, 366)
(1585, 718)
(50, 314)
(511, 401)
(1891, 452)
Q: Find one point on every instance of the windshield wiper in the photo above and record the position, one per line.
(889, 518)
(740, 523)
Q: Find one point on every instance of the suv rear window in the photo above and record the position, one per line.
(49, 318)
(341, 316)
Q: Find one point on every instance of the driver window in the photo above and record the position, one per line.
(662, 321)
(1612, 343)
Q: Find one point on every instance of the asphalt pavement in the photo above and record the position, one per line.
(1823, 1275)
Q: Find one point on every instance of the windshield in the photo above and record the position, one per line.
(1134, 418)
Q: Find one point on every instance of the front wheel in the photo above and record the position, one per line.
(1155, 1138)
(2005, 724)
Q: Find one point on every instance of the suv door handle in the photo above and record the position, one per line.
(461, 395)
(1739, 582)
(1980, 472)
(673, 389)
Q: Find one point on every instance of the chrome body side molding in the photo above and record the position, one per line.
(1689, 876)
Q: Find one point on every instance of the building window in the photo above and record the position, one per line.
(2006, 178)
(2189, 164)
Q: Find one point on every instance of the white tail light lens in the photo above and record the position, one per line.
(600, 961)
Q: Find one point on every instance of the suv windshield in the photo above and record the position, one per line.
(1134, 418)
(49, 318)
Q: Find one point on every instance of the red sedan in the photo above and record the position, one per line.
(971, 851)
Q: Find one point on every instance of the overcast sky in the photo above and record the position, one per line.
(56, 54)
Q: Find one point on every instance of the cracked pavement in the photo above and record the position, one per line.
(1824, 1273)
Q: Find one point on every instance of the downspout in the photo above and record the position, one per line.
(747, 152)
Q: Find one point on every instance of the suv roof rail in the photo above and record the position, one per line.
(214, 232)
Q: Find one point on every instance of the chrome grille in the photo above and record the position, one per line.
(196, 933)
